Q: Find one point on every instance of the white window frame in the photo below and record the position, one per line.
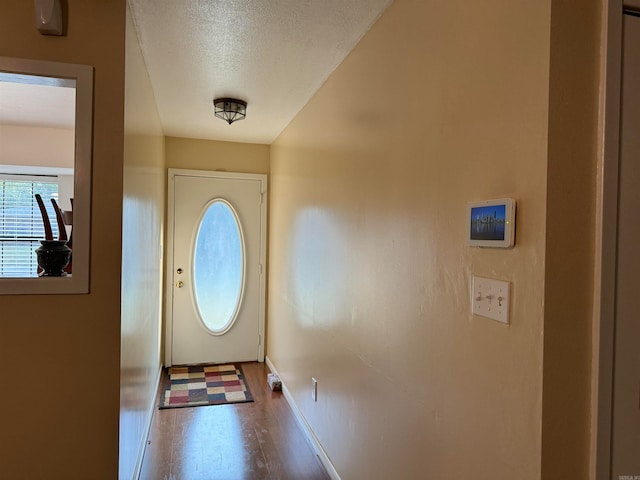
(78, 282)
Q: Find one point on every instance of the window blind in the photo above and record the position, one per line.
(21, 227)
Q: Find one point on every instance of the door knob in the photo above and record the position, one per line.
(179, 284)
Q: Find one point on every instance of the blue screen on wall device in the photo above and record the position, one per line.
(488, 223)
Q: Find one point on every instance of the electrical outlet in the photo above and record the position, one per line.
(314, 389)
(490, 298)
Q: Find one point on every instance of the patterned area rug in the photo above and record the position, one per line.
(199, 385)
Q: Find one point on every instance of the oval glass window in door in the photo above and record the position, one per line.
(218, 267)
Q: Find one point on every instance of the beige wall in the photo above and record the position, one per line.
(63, 351)
(440, 104)
(142, 252)
(197, 154)
(570, 234)
(41, 146)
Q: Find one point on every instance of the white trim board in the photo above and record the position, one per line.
(142, 448)
(306, 428)
(606, 239)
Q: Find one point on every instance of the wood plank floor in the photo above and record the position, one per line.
(247, 441)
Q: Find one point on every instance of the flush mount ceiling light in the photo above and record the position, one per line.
(230, 109)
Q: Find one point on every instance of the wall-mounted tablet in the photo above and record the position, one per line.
(492, 223)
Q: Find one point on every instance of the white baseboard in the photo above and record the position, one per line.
(306, 428)
(150, 410)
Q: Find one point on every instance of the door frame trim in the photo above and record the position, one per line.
(606, 239)
(172, 173)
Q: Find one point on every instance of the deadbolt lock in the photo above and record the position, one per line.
(179, 284)
(179, 271)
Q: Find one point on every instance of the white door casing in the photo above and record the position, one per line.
(193, 193)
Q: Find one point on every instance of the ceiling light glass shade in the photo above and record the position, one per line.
(230, 109)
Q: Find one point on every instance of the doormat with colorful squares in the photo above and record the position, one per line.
(194, 386)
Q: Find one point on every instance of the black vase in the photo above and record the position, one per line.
(53, 256)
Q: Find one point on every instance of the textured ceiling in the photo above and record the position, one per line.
(274, 54)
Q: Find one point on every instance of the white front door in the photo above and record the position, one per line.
(215, 282)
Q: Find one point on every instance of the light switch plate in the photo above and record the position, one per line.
(490, 298)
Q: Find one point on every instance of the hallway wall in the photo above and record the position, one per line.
(196, 154)
(144, 192)
(63, 351)
(572, 167)
(30, 145)
(440, 104)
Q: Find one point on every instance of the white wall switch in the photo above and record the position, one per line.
(314, 389)
(490, 298)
